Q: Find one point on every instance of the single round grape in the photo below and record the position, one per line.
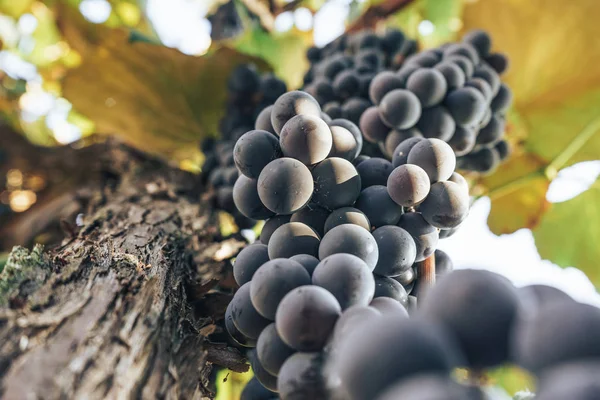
(429, 86)
(306, 316)
(336, 183)
(264, 377)
(423, 233)
(489, 75)
(388, 287)
(245, 317)
(291, 239)
(573, 381)
(389, 307)
(400, 155)
(463, 140)
(271, 350)
(483, 161)
(479, 308)
(408, 185)
(480, 40)
(360, 159)
(248, 261)
(557, 333)
(263, 121)
(372, 57)
(490, 134)
(272, 281)
(374, 171)
(501, 102)
(462, 49)
(443, 263)
(346, 84)
(486, 118)
(243, 222)
(397, 250)
(466, 105)
(446, 206)
(482, 86)
(446, 233)
(365, 79)
(306, 138)
(395, 137)
(285, 185)
(437, 123)
(326, 118)
(423, 59)
(244, 79)
(247, 200)
(352, 318)
(350, 239)
(400, 108)
(392, 40)
(224, 199)
(389, 349)
(503, 149)
(453, 74)
(463, 63)
(237, 336)
(460, 180)
(313, 216)
(254, 390)
(353, 108)
(254, 150)
(321, 89)
(353, 129)
(407, 277)
(425, 387)
(542, 295)
(307, 261)
(291, 104)
(376, 203)
(435, 156)
(271, 225)
(347, 215)
(372, 125)
(301, 377)
(498, 61)
(333, 109)
(347, 277)
(406, 71)
(382, 84)
(344, 143)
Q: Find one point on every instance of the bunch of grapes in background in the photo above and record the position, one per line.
(249, 93)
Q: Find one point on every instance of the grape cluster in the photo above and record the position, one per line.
(249, 94)
(452, 93)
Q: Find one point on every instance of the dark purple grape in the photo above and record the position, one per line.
(463, 63)
(482, 86)
(332, 66)
(272, 281)
(437, 123)
(498, 61)
(408, 185)
(400, 155)
(243, 222)
(407, 277)
(462, 49)
(326, 118)
(489, 75)
(388, 287)
(333, 109)
(382, 84)
(446, 233)
(573, 381)
(395, 137)
(446, 206)
(480, 40)
(307, 261)
(245, 317)
(248, 261)
(254, 390)
(400, 108)
(313, 216)
(254, 150)
(374, 171)
(350, 239)
(344, 143)
(372, 126)
(301, 377)
(392, 40)
(271, 225)
(291, 239)
(346, 84)
(263, 121)
(224, 199)
(271, 350)
(347, 215)
(321, 89)
(541, 295)
(429, 86)
(406, 71)
(397, 250)
(463, 140)
(291, 104)
(352, 318)
(237, 336)
(490, 134)
(313, 54)
(378, 206)
(264, 377)
(373, 58)
(503, 149)
(272, 87)
(360, 159)
(423, 233)
(353, 129)
(353, 108)
(483, 161)
(501, 102)
(460, 180)
(336, 183)
(247, 200)
(306, 138)
(347, 277)
(435, 157)
(426, 387)
(230, 175)
(466, 105)
(244, 79)
(424, 59)
(443, 263)
(479, 308)
(285, 185)
(454, 75)
(306, 316)
(389, 307)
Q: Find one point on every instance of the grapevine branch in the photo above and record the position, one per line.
(376, 13)
(426, 275)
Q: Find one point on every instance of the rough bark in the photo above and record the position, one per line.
(124, 307)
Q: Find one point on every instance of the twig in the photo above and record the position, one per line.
(376, 13)
(425, 276)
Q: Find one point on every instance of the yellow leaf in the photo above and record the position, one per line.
(153, 97)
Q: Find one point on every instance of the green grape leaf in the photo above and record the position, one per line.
(512, 379)
(556, 100)
(153, 97)
(14, 8)
(569, 233)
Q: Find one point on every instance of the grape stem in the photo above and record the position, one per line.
(426, 275)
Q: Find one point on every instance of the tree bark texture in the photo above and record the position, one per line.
(124, 307)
